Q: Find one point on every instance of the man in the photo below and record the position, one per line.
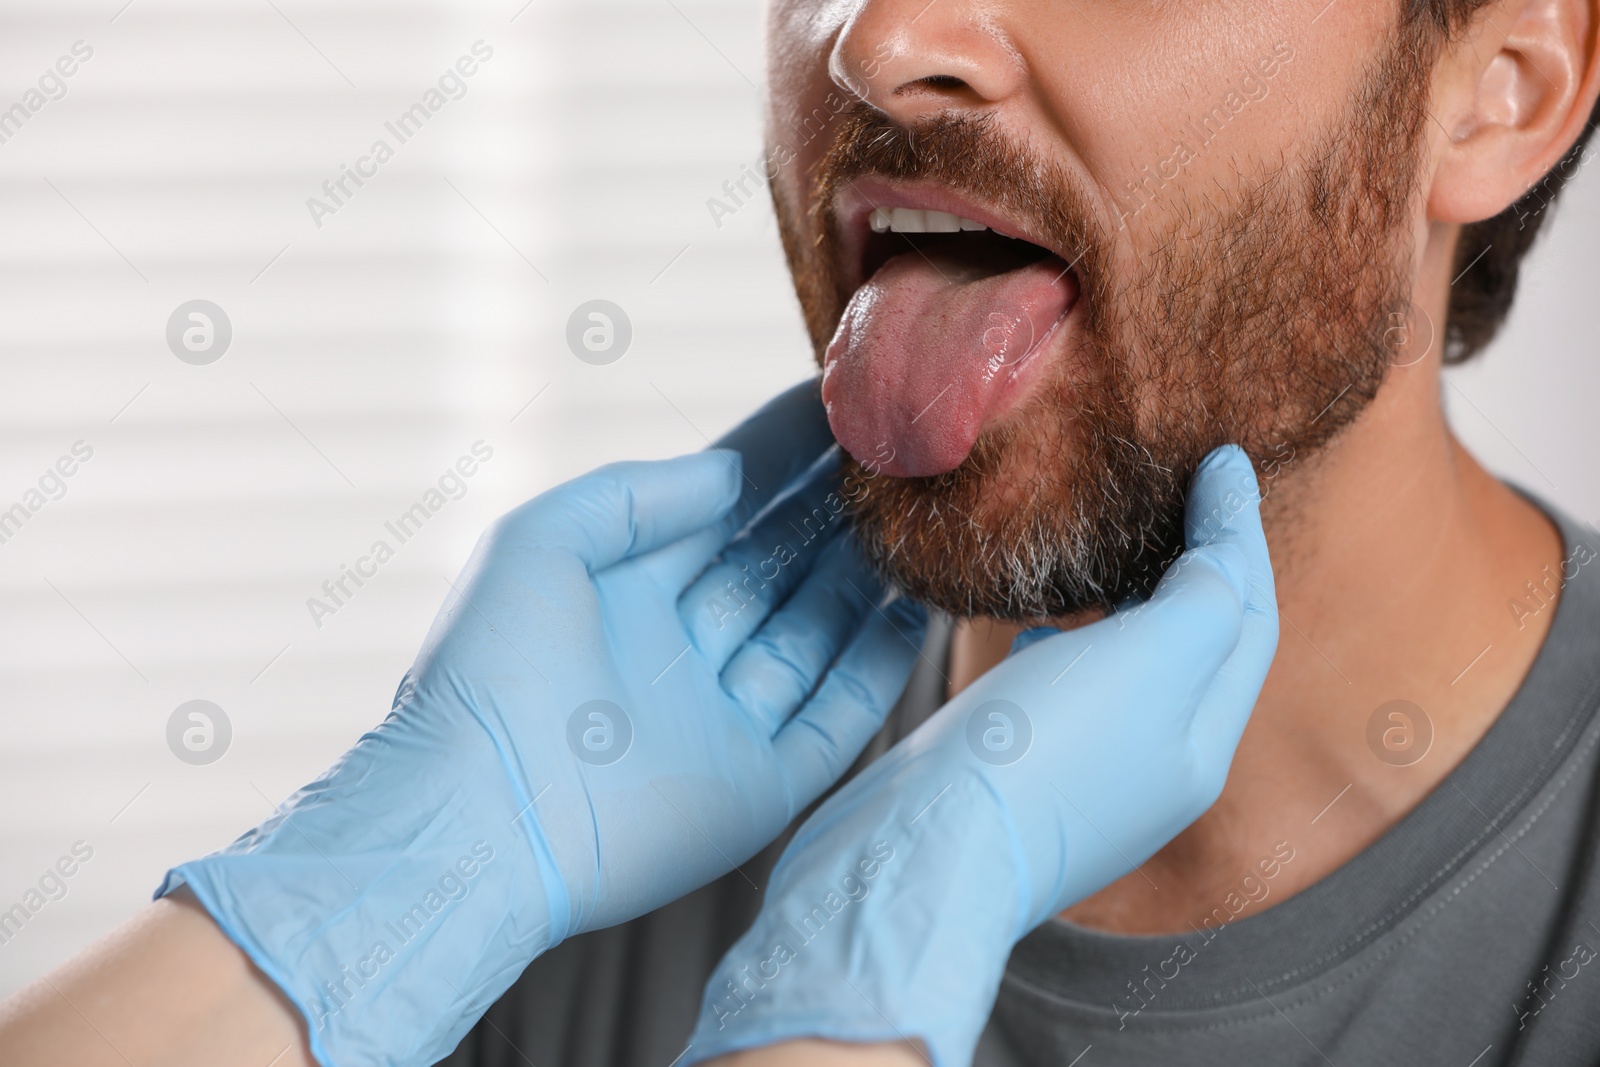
(1264, 224)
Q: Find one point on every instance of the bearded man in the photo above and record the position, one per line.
(1049, 257)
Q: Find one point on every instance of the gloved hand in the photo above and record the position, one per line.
(894, 909)
(615, 706)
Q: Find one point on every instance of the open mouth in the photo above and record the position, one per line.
(954, 310)
(941, 236)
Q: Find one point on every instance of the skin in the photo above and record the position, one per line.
(165, 989)
(1396, 551)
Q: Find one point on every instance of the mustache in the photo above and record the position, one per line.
(968, 153)
(971, 155)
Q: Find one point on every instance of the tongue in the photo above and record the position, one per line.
(924, 354)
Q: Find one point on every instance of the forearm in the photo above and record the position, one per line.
(165, 990)
(169, 990)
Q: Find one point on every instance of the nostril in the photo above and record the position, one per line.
(940, 90)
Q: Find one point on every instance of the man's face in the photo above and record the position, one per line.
(1199, 230)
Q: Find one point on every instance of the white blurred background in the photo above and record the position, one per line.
(368, 354)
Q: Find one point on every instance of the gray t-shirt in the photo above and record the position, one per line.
(1467, 935)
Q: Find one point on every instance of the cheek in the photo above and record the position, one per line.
(1154, 106)
(800, 38)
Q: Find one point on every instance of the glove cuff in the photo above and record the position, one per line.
(370, 921)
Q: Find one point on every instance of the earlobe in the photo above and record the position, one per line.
(1515, 92)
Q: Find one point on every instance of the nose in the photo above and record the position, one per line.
(913, 59)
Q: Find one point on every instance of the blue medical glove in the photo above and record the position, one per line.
(615, 706)
(893, 911)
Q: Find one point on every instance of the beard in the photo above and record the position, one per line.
(1262, 317)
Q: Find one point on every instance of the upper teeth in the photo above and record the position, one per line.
(916, 220)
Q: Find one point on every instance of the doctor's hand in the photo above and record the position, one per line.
(623, 697)
(893, 911)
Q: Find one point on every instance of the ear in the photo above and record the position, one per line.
(1511, 95)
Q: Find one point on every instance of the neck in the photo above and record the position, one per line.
(1397, 559)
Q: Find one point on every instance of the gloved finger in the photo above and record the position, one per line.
(777, 444)
(1191, 620)
(627, 509)
(818, 745)
(773, 673)
(1174, 644)
(1225, 506)
(761, 567)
